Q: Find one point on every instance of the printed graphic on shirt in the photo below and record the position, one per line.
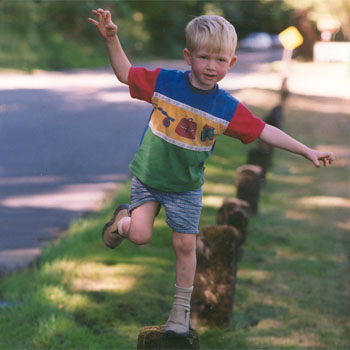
(183, 125)
(207, 132)
(187, 128)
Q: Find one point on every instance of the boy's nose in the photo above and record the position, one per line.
(211, 64)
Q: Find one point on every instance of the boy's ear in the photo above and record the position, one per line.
(233, 61)
(187, 56)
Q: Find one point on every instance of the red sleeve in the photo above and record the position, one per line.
(142, 83)
(244, 125)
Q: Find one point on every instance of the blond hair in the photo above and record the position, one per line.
(211, 32)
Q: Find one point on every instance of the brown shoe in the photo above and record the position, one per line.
(110, 233)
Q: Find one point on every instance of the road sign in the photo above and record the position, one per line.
(291, 38)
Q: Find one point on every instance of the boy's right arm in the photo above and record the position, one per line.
(108, 30)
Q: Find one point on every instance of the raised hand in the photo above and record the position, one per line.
(104, 24)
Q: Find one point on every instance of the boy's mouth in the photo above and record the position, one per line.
(209, 76)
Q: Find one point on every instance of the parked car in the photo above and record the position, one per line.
(256, 41)
(276, 41)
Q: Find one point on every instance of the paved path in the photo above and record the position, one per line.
(65, 140)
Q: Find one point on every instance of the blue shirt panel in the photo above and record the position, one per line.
(173, 84)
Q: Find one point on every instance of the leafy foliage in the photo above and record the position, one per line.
(56, 34)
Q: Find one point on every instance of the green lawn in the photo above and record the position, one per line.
(293, 281)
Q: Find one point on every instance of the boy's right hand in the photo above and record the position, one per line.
(104, 24)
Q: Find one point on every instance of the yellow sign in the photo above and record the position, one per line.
(290, 38)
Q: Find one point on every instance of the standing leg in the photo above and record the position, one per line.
(185, 250)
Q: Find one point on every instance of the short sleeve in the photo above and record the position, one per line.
(244, 125)
(142, 83)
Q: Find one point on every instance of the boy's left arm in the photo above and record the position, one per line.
(280, 139)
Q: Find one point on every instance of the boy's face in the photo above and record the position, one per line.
(208, 67)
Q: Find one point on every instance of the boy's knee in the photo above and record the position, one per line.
(139, 241)
(139, 238)
(184, 243)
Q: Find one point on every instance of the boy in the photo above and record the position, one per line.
(189, 111)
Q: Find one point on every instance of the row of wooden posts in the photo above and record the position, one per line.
(219, 250)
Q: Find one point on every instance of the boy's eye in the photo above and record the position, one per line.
(203, 57)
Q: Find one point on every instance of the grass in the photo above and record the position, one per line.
(293, 281)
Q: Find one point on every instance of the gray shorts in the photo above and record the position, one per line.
(182, 209)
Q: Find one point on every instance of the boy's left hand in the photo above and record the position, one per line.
(317, 157)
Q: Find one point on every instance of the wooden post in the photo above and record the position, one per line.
(153, 338)
(261, 157)
(275, 117)
(248, 182)
(235, 212)
(214, 285)
(269, 150)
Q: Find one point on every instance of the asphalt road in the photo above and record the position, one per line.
(60, 152)
(66, 138)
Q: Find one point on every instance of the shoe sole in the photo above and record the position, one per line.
(172, 334)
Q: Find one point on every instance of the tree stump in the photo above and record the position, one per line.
(248, 182)
(235, 212)
(153, 338)
(214, 285)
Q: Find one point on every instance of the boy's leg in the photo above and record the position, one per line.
(185, 250)
(140, 227)
(186, 260)
(137, 228)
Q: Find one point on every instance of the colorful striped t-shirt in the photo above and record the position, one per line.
(183, 127)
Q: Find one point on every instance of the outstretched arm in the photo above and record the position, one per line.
(280, 139)
(108, 30)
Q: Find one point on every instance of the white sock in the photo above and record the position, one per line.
(179, 318)
(183, 296)
(120, 225)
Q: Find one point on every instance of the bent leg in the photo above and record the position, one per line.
(138, 229)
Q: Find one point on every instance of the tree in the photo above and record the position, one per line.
(318, 8)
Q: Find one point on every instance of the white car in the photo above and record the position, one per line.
(256, 41)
